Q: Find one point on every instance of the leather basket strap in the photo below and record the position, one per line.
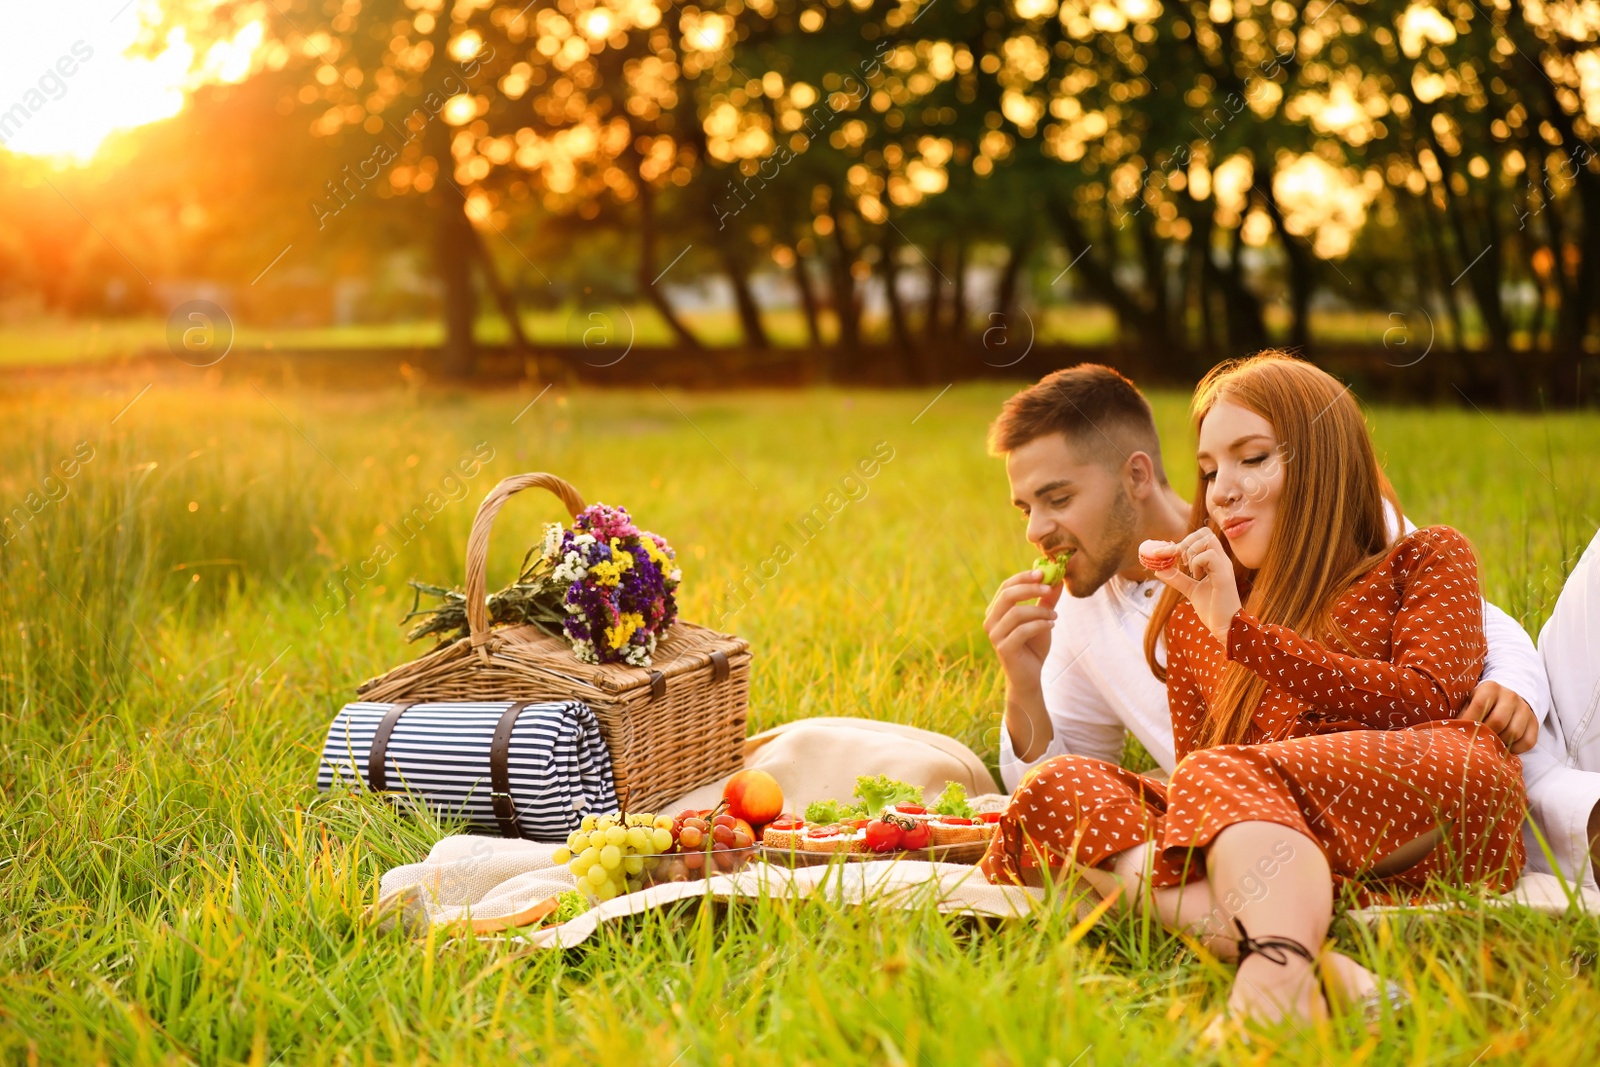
(505, 809)
(719, 666)
(378, 754)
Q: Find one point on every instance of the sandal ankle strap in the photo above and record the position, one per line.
(1273, 948)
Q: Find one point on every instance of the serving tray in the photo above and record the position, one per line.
(969, 852)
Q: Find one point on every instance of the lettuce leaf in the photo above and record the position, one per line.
(828, 811)
(881, 791)
(953, 801)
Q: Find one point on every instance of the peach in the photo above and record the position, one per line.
(753, 796)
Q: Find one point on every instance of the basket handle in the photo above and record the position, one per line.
(478, 543)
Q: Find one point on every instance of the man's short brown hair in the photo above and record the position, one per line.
(1096, 409)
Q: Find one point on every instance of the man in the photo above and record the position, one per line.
(1084, 462)
(1563, 773)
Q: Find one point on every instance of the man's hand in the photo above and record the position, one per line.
(1020, 632)
(1504, 712)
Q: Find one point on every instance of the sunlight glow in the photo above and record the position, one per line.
(67, 80)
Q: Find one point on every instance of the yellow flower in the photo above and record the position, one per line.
(618, 635)
(658, 557)
(607, 573)
(623, 559)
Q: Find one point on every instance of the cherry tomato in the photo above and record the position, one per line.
(917, 837)
(884, 836)
(911, 809)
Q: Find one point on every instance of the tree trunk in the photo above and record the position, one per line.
(809, 305)
(1247, 327)
(899, 327)
(846, 302)
(1448, 294)
(958, 295)
(454, 243)
(503, 297)
(648, 273)
(1481, 269)
(1202, 221)
(1006, 297)
(1098, 278)
(733, 261)
(1566, 332)
(933, 314)
(1301, 274)
(1586, 282)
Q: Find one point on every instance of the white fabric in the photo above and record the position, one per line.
(466, 878)
(1541, 892)
(1563, 771)
(821, 758)
(476, 878)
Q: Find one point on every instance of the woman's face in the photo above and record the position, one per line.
(1241, 473)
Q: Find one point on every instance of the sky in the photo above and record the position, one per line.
(66, 80)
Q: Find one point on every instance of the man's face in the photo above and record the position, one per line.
(1074, 501)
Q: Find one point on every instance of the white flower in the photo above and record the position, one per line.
(571, 568)
(552, 539)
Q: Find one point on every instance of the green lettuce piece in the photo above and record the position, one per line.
(572, 906)
(953, 801)
(881, 791)
(828, 811)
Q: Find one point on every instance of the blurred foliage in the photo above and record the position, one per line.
(1201, 165)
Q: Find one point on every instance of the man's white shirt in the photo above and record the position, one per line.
(1097, 685)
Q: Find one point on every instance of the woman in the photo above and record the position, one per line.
(1314, 668)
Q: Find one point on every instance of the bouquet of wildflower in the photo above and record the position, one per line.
(619, 585)
(604, 585)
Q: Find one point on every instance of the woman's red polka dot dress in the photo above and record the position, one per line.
(1358, 750)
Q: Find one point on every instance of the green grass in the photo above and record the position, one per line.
(177, 891)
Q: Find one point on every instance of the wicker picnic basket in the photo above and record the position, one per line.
(675, 725)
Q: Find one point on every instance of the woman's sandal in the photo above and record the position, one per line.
(1369, 1008)
(1276, 949)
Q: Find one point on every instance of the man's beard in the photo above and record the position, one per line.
(1115, 541)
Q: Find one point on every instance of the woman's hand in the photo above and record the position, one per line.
(1198, 568)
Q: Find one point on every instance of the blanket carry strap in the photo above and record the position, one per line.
(378, 754)
(505, 810)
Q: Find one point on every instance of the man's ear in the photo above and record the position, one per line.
(1139, 474)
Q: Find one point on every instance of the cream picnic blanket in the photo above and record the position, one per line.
(470, 877)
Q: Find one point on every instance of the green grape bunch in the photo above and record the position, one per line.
(613, 854)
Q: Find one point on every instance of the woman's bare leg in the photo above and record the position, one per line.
(1295, 903)
(1205, 909)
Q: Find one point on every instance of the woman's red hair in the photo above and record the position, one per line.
(1331, 525)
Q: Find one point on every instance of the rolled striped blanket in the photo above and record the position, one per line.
(521, 768)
